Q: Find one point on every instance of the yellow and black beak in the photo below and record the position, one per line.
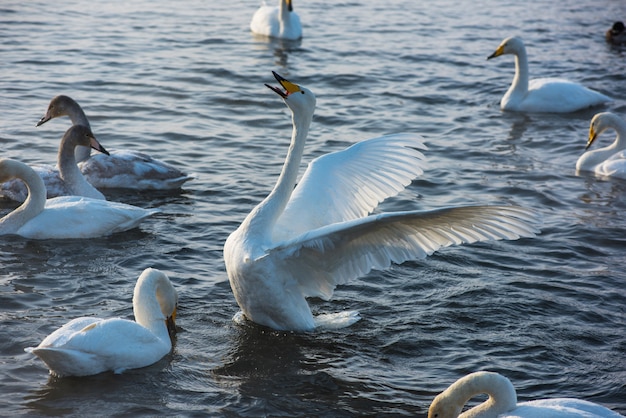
(497, 52)
(592, 137)
(290, 5)
(286, 84)
(171, 323)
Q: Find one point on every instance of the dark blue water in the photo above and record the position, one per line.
(184, 82)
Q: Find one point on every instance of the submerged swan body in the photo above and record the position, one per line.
(609, 161)
(66, 216)
(66, 179)
(87, 346)
(502, 402)
(120, 169)
(551, 95)
(277, 21)
(303, 242)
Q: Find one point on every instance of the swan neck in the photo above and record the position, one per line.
(267, 213)
(71, 174)
(78, 117)
(33, 205)
(147, 309)
(520, 80)
(502, 397)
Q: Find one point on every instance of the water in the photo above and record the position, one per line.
(184, 82)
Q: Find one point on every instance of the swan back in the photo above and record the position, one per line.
(449, 403)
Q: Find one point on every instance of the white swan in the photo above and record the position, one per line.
(66, 179)
(87, 346)
(542, 94)
(608, 161)
(120, 169)
(277, 21)
(304, 242)
(502, 402)
(65, 216)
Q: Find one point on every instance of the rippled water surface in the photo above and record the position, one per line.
(183, 81)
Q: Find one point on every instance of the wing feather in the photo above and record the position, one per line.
(334, 254)
(349, 184)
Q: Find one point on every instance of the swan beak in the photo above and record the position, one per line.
(43, 120)
(287, 85)
(497, 53)
(170, 322)
(290, 5)
(97, 146)
(592, 137)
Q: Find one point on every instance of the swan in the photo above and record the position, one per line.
(542, 94)
(617, 34)
(277, 21)
(304, 242)
(86, 346)
(65, 216)
(120, 169)
(608, 161)
(502, 401)
(67, 179)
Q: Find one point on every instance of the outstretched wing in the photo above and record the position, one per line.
(349, 184)
(323, 258)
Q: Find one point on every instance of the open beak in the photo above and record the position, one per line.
(170, 322)
(95, 144)
(497, 53)
(592, 137)
(286, 84)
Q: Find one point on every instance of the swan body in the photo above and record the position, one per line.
(608, 161)
(617, 34)
(277, 21)
(120, 169)
(502, 402)
(87, 346)
(66, 216)
(66, 179)
(303, 242)
(542, 94)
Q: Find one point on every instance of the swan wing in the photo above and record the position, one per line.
(335, 254)
(614, 166)
(555, 94)
(113, 344)
(80, 217)
(349, 184)
(15, 189)
(131, 170)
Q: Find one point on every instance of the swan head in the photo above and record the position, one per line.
(82, 135)
(298, 98)
(600, 123)
(59, 106)
(512, 45)
(441, 407)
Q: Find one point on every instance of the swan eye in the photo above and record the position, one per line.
(302, 92)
